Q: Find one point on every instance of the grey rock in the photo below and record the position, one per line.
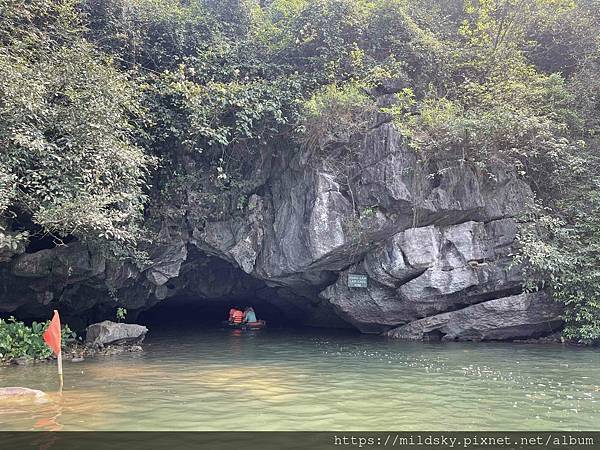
(246, 249)
(437, 282)
(458, 265)
(8, 394)
(387, 264)
(38, 264)
(23, 361)
(167, 258)
(330, 208)
(69, 263)
(515, 317)
(421, 246)
(371, 310)
(107, 332)
(234, 240)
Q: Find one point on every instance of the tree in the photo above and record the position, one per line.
(67, 117)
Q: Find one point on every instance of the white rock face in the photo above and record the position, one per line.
(514, 317)
(326, 232)
(459, 265)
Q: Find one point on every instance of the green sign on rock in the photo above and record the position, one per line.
(357, 281)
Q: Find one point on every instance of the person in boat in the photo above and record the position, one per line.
(236, 316)
(249, 315)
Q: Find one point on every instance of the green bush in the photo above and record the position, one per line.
(335, 115)
(18, 340)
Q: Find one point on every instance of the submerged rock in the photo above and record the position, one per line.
(107, 332)
(515, 317)
(22, 394)
(23, 361)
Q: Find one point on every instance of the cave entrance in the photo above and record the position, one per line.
(39, 239)
(182, 311)
(199, 294)
(207, 287)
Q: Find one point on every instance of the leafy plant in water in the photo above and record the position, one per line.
(18, 340)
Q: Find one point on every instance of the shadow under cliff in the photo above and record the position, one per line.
(188, 312)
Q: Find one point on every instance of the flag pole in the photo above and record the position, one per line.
(60, 371)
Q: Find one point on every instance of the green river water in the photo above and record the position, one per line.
(212, 379)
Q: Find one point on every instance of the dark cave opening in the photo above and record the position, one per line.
(199, 295)
(40, 241)
(38, 238)
(205, 290)
(433, 336)
(209, 313)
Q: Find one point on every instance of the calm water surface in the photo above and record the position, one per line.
(313, 380)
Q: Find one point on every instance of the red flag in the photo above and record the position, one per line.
(52, 334)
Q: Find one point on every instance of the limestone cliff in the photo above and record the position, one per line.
(436, 248)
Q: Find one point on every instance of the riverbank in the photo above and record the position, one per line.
(77, 353)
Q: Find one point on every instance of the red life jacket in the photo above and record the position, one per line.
(238, 316)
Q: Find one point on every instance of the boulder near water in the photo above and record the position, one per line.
(107, 332)
(21, 394)
(516, 317)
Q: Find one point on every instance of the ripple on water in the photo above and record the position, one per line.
(213, 380)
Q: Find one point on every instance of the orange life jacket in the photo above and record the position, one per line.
(231, 312)
(238, 316)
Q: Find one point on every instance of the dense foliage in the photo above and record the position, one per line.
(66, 123)
(95, 93)
(18, 340)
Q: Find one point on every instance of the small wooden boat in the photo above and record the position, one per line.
(258, 325)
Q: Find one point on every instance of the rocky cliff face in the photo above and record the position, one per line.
(436, 248)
